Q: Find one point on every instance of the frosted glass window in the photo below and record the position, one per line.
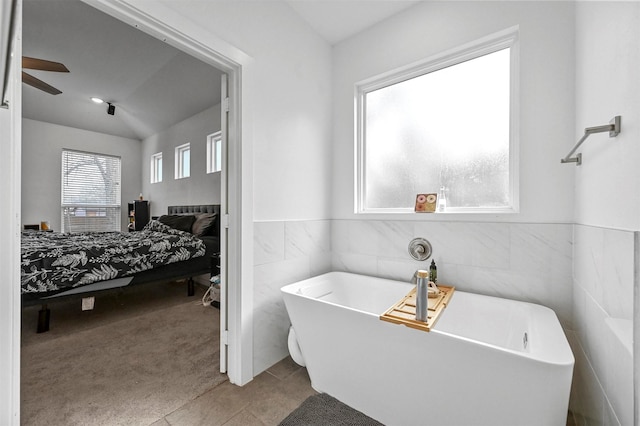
(446, 127)
(183, 161)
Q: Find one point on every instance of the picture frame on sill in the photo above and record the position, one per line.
(426, 203)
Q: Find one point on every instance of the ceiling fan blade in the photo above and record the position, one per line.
(43, 65)
(39, 84)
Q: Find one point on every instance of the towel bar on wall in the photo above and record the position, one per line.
(613, 128)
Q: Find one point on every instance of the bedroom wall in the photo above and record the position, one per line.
(201, 187)
(42, 145)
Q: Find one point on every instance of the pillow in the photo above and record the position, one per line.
(204, 225)
(179, 222)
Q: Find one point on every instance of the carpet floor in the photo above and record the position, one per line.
(130, 366)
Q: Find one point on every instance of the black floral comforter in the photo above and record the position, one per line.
(54, 261)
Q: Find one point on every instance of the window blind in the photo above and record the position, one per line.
(90, 192)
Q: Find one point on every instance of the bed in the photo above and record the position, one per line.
(182, 244)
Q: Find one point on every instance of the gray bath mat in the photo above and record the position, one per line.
(324, 410)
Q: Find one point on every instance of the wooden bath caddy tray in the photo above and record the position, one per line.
(404, 312)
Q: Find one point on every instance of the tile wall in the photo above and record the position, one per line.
(529, 262)
(284, 252)
(537, 263)
(603, 317)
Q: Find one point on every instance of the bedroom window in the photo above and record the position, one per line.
(448, 123)
(183, 161)
(90, 192)
(214, 152)
(156, 168)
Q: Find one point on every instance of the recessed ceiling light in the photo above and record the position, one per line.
(97, 100)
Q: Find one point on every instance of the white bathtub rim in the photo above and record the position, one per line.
(292, 290)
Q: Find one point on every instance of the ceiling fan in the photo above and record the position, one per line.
(41, 65)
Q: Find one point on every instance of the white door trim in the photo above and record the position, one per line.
(223, 220)
(10, 193)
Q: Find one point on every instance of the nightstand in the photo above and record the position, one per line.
(36, 228)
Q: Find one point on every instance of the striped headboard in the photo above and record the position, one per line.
(201, 208)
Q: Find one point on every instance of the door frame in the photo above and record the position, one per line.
(236, 210)
(10, 192)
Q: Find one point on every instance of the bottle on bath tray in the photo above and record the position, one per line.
(422, 301)
(433, 272)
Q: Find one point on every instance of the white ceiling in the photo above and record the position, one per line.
(152, 84)
(337, 20)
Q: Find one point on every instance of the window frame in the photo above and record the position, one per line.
(155, 171)
(213, 140)
(508, 38)
(91, 210)
(179, 161)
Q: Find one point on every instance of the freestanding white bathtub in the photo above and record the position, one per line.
(488, 361)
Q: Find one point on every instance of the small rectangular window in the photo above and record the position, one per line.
(445, 123)
(183, 161)
(214, 152)
(156, 168)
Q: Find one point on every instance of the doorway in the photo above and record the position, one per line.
(233, 340)
(231, 200)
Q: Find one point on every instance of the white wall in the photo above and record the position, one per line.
(607, 211)
(201, 187)
(9, 269)
(286, 102)
(42, 145)
(545, 91)
(607, 85)
(524, 256)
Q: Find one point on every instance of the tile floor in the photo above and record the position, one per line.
(265, 401)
